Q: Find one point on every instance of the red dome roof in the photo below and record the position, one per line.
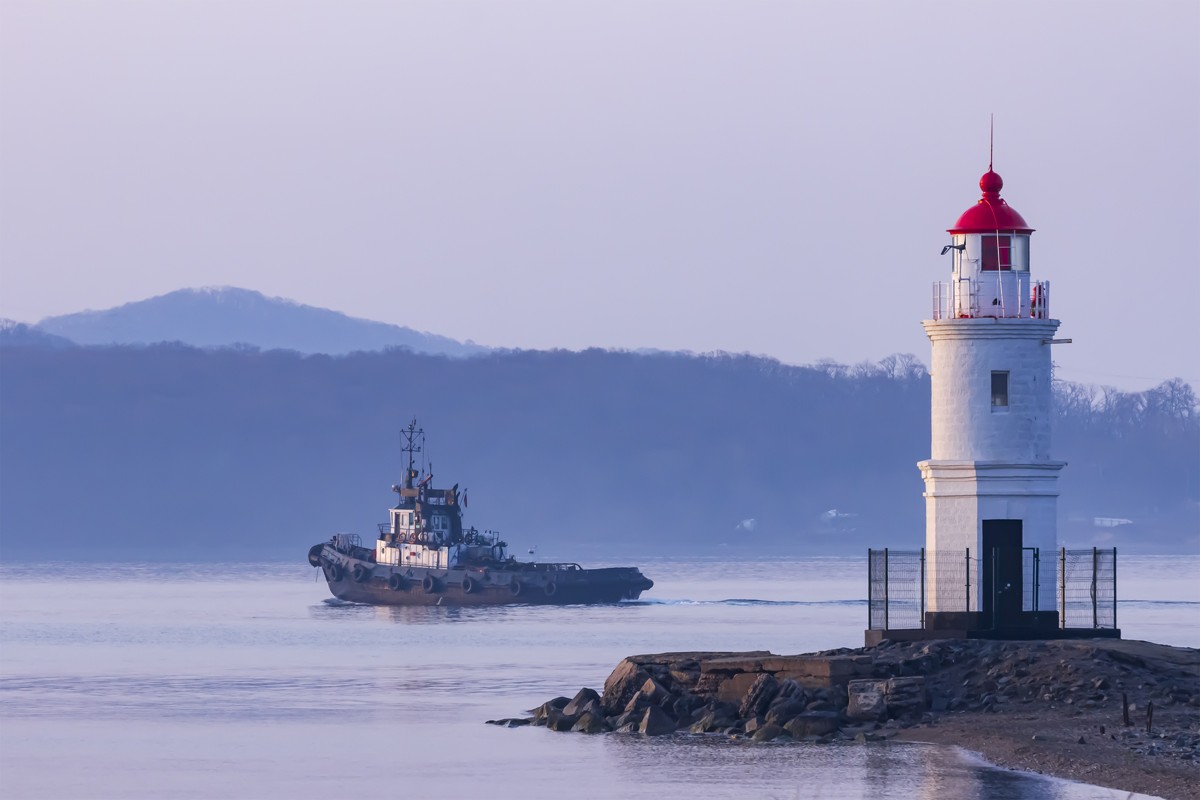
(991, 213)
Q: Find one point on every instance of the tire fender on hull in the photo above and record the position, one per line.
(360, 573)
(335, 573)
(397, 582)
(469, 585)
(314, 554)
(431, 585)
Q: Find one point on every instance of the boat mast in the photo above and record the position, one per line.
(414, 441)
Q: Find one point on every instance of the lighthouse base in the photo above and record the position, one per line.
(874, 636)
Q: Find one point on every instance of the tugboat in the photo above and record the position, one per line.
(424, 556)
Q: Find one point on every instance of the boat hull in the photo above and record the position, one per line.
(359, 580)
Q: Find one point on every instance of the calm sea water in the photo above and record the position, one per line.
(249, 681)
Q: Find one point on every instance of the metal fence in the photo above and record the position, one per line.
(901, 583)
(952, 574)
(1087, 588)
(896, 594)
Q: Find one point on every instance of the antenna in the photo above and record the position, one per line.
(413, 441)
(991, 139)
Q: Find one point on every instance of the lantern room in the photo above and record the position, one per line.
(990, 263)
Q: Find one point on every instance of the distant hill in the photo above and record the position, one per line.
(19, 334)
(224, 316)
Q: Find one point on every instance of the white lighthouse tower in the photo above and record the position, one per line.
(990, 483)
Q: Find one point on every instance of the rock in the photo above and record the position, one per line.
(582, 698)
(638, 702)
(683, 705)
(789, 690)
(767, 732)
(868, 700)
(655, 692)
(1126, 658)
(591, 707)
(870, 737)
(685, 719)
(558, 721)
(780, 713)
(542, 711)
(759, 696)
(905, 696)
(685, 679)
(628, 718)
(712, 721)
(621, 685)
(812, 723)
(590, 723)
(512, 722)
(752, 724)
(656, 722)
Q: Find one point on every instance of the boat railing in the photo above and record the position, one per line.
(345, 542)
(553, 567)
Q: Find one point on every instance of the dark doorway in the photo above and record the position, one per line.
(1000, 571)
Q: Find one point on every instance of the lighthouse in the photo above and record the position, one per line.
(991, 485)
(991, 566)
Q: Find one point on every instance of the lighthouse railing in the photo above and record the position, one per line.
(906, 587)
(896, 589)
(1087, 586)
(999, 295)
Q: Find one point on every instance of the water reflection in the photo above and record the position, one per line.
(332, 608)
(727, 768)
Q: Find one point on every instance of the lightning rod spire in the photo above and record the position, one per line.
(991, 139)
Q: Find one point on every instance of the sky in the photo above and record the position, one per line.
(746, 176)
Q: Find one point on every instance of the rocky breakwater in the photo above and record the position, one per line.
(759, 696)
(1115, 713)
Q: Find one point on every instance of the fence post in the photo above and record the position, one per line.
(1095, 609)
(968, 579)
(923, 584)
(1114, 588)
(1037, 577)
(870, 587)
(886, 598)
(1062, 588)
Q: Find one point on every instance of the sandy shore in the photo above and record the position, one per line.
(1064, 715)
(1052, 746)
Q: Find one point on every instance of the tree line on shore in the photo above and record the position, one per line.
(169, 451)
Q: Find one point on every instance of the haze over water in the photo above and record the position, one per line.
(248, 680)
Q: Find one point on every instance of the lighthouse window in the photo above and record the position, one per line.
(999, 390)
(996, 252)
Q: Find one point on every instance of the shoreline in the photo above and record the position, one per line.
(1056, 708)
(1076, 730)
(1051, 745)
